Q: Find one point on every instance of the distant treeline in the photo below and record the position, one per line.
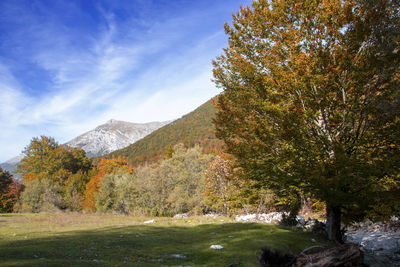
(186, 180)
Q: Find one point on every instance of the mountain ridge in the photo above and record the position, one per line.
(105, 138)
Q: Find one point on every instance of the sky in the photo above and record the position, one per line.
(68, 66)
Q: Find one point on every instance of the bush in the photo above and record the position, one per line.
(116, 193)
(41, 195)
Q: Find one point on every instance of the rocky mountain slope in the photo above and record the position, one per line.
(113, 135)
(11, 164)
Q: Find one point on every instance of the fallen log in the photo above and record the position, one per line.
(346, 255)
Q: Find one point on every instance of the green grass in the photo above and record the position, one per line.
(71, 239)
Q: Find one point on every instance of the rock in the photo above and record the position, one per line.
(263, 217)
(217, 247)
(300, 219)
(150, 221)
(380, 241)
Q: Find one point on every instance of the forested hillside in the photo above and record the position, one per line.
(193, 128)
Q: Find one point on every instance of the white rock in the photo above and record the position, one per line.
(216, 247)
(379, 241)
(150, 221)
(300, 219)
(263, 217)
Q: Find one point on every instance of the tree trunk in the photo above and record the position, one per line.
(333, 222)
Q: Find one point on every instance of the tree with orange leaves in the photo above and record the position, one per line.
(10, 190)
(105, 166)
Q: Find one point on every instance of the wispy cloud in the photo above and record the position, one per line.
(67, 72)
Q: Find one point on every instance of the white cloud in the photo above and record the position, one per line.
(138, 76)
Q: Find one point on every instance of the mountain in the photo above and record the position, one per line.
(11, 165)
(193, 128)
(113, 135)
(103, 139)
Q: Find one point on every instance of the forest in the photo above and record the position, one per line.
(58, 178)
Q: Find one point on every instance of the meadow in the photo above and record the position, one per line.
(74, 239)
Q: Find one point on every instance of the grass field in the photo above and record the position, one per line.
(71, 239)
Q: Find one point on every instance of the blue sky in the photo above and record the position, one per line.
(68, 66)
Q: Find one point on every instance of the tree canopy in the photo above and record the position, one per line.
(54, 176)
(10, 190)
(311, 100)
(45, 158)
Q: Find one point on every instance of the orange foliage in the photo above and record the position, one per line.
(28, 177)
(10, 195)
(104, 167)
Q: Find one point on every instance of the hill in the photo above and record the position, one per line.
(193, 128)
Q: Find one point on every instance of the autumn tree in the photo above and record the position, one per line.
(104, 167)
(45, 158)
(311, 100)
(10, 190)
(175, 185)
(53, 175)
(41, 195)
(222, 191)
(116, 193)
(75, 188)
